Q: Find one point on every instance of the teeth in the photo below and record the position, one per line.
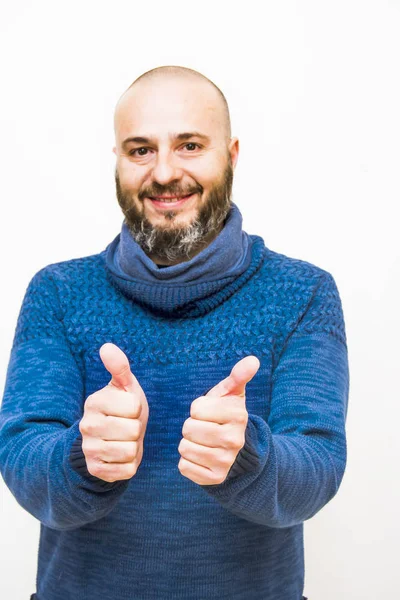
(168, 199)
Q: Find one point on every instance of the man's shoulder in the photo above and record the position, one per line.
(284, 269)
(72, 270)
(297, 287)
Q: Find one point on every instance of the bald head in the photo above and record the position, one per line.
(158, 80)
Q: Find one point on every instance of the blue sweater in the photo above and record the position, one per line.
(159, 535)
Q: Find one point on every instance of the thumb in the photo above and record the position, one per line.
(117, 364)
(235, 383)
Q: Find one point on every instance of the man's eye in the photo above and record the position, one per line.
(192, 144)
(132, 152)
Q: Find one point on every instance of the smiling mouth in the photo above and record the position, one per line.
(171, 201)
(170, 197)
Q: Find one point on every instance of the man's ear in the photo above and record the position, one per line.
(114, 150)
(234, 151)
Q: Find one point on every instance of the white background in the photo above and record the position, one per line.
(313, 89)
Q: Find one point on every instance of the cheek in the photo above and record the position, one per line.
(131, 178)
(206, 174)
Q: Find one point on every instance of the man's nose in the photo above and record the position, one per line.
(166, 169)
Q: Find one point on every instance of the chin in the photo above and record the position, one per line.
(180, 216)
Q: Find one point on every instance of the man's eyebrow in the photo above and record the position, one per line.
(177, 136)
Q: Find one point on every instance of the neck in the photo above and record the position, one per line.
(206, 241)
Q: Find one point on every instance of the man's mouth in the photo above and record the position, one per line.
(169, 201)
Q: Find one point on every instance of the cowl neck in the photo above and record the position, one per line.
(190, 288)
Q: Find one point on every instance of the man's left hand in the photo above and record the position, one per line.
(214, 433)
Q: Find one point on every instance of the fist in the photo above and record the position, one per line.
(214, 433)
(114, 421)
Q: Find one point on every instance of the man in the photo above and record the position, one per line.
(175, 405)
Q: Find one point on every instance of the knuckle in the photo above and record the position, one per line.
(137, 429)
(182, 446)
(195, 407)
(138, 407)
(92, 452)
(90, 401)
(96, 469)
(83, 426)
(242, 417)
(182, 466)
(131, 469)
(133, 402)
(217, 477)
(107, 477)
(239, 443)
(229, 439)
(89, 427)
(130, 454)
(186, 427)
(227, 461)
(102, 471)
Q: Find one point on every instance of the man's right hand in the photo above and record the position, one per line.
(114, 422)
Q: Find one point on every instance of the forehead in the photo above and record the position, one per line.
(155, 108)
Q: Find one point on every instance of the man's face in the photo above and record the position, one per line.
(198, 168)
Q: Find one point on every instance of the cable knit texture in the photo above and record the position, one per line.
(159, 535)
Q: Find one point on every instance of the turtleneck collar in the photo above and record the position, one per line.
(190, 288)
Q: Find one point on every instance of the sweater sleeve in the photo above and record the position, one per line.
(40, 454)
(292, 465)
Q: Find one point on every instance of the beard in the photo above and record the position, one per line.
(176, 244)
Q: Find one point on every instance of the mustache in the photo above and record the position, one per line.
(157, 189)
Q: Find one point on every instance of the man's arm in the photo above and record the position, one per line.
(39, 419)
(292, 465)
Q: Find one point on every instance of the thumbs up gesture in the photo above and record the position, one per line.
(214, 433)
(114, 421)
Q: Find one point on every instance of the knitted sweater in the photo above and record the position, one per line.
(159, 535)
